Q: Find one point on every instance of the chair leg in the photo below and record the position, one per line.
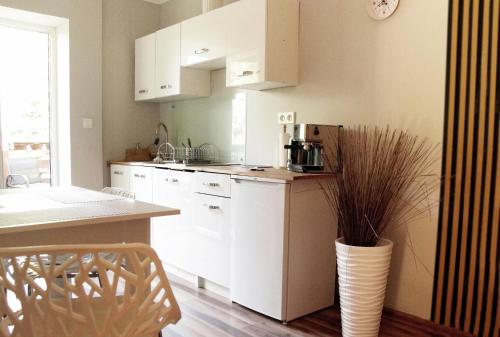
(160, 334)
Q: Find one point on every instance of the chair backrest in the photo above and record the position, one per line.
(119, 191)
(39, 298)
(27, 167)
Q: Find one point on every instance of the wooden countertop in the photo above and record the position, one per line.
(47, 208)
(269, 174)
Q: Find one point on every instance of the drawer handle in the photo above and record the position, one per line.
(174, 180)
(246, 73)
(118, 173)
(211, 184)
(168, 86)
(201, 51)
(213, 207)
(143, 91)
(141, 176)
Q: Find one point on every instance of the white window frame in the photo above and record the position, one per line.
(53, 113)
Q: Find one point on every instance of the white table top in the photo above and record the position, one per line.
(35, 209)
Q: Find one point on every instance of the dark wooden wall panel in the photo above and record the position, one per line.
(466, 290)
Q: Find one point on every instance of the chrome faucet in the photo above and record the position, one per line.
(157, 133)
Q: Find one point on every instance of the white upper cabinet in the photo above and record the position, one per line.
(266, 33)
(145, 70)
(205, 39)
(159, 76)
(168, 54)
(174, 82)
(256, 40)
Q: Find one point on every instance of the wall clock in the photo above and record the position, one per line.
(381, 9)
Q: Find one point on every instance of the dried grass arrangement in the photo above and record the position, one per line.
(385, 181)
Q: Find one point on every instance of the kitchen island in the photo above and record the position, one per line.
(50, 216)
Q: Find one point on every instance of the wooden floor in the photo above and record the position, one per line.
(206, 314)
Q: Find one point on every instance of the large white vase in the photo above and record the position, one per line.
(363, 273)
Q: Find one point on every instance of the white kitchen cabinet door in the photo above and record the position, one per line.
(120, 177)
(173, 235)
(168, 61)
(141, 183)
(145, 67)
(246, 22)
(205, 40)
(266, 54)
(174, 82)
(258, 244)
(212, 216)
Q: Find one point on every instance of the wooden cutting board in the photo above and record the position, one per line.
(137, 155)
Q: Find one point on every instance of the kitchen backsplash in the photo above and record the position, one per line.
(219, 120)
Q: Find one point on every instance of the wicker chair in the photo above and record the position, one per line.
(133, 297)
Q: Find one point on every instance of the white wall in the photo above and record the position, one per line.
(354, 70)
(125, 122)
(85, 30)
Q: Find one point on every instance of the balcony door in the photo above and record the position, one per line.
(27, 109)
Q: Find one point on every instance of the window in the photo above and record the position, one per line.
(27, 104)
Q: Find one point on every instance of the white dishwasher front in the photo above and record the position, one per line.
(259, 223)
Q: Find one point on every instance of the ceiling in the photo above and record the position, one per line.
(158, 2)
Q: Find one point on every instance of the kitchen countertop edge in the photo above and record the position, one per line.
(273, 174)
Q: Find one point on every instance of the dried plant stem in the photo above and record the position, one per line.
(386, 180)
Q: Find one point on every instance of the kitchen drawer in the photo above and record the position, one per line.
(211, 238)
(120, 177)
(213, 184)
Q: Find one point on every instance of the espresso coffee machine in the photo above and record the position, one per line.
(313, 148)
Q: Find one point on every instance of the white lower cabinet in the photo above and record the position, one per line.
(197, 240)
(141, 183)
(212, 216)
(257, 248)
(268, 245)
(282, 247)
(173, 235)
(120, 177)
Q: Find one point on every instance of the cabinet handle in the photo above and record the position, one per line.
(246, 73)
(166, 179)
(118, 173)
(211, 184)
(201, 51)
(140, 176)
(143, 91)
(168, 86)
(175, 180)
(213, 207)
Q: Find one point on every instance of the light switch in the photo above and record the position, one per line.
(88, 123)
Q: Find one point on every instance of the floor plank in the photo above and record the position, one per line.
(205, 314)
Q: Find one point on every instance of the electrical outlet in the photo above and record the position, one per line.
(290, 117)
(286, 118)
(282, 118)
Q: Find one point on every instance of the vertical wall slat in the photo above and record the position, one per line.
(452, 78)
(480, 157)
(464, 71)
(469, 152)
(493, 281)
(467, 280)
